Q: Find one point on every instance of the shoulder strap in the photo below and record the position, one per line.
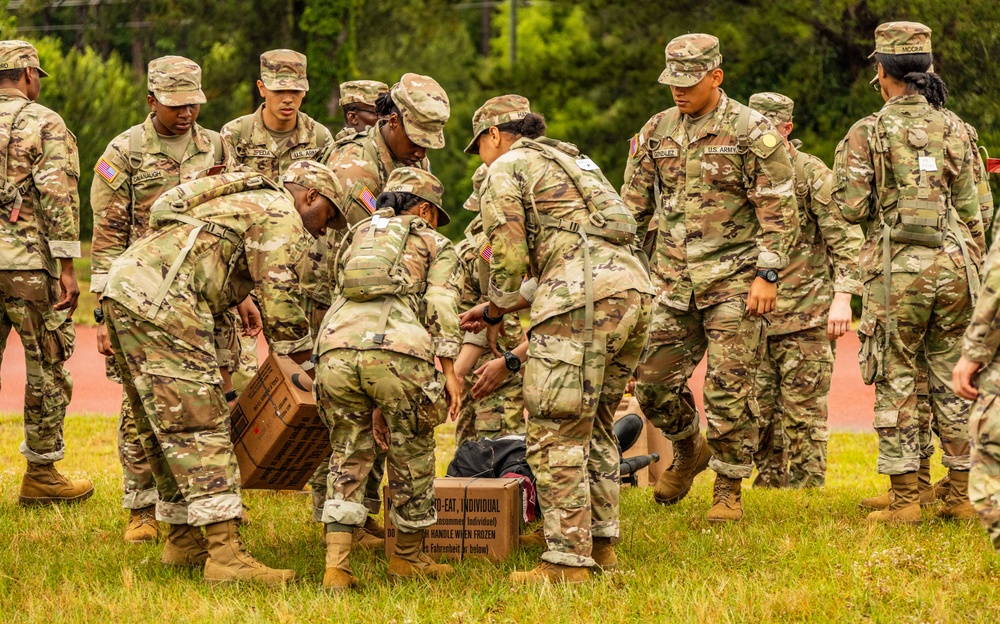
(8, 192)
(743, 129)
(135, 146)
(216, 140)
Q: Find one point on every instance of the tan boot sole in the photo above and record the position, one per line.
(30, 501)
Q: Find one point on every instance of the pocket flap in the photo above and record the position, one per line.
(567, 456)
(816, 351)
(553, 348)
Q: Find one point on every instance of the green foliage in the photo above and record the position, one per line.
(97, 99)
(329, 26)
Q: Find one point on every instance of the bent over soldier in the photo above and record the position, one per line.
(907, 172)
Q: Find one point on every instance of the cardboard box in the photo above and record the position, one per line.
(277, 435)
(475, 518)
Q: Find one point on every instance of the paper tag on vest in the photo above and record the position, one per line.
(379, 223)
(586, 164)
(927, 163)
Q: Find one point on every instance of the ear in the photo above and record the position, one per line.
(261, 88)
(717, 76)
(311, 196)
(151, 101)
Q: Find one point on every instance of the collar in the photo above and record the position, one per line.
(152, 144)
(12, 93)
(260, 136)
(679, 134)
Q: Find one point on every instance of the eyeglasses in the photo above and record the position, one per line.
(877, 87)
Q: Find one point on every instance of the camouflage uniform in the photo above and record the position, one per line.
(362, 164)
(588, 323)
(135, 169)
(166, 300)
(254, 148)
(380, 353)
(889, 168)
(359, 92)
(980, 345)
(723, 201)
(794, 378)
(39, 226)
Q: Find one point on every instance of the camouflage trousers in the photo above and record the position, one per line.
(494, 416)
(48, 338)
(137, 477)
(984, 476)
(931, 309)
(350, 384)
(181, 416)
(735, 343)
(792, 389)
(571, 391)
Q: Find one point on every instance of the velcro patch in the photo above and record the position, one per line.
(106, 170)
(304, 153)
(672, 152)
(722, 149)
(260, 153)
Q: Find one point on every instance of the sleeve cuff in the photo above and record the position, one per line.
(849, 286)
(98, 282)
(64, 249)
(503, 299)
(446, 347)
(478, 340)
(528, 289)
(769, 260)
(977, 352)
(287, 347)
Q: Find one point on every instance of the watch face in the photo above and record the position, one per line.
(771, 276)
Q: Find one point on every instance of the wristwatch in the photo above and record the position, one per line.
(512, 361)
(99, 316)
(231, 395)
(489, 320)
(769, 275)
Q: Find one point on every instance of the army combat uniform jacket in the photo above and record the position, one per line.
(253, 147)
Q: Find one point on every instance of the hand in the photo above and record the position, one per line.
(472, 320)
(630, 386)
(493, 332)
(250, 316)
(453, 390)
(491, 375)
(380, 429)
(963, 378)
(840, 316)
(762, 298)
(103, 340)
(70, 289)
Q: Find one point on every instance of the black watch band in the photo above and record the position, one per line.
(489, 320)
(231, 395)
(99, 316)
(512, 361)
(769, 275)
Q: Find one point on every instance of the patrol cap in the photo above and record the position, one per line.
(17, 54)
(902, 38)
(175, 81)
(283, 70)
(311, 174)
(472, 203)
(425, 109)
(690, 58)
(776, 107)
(421, 183)
(361, 92)
(496, 111)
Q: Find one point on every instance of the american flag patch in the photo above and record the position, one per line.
(368, 199)
(633, 146)
(106, 170)
(486, 253)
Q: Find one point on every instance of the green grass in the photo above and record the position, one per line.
(797, 556)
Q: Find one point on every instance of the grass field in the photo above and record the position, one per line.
(797, 556)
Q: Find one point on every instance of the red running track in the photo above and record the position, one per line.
(851, 402)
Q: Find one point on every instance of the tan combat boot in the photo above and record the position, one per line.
(370, 536)
(338, 576)
(905, 505)
(956, 501)
(142, 526)
(409, 561)
(185, 546)
(535, 538)
(926, 492)
(547, 572)
(727, 500)
(691, 457)
(604, 555)
(43, 484)
(940, 488)
(229, 560)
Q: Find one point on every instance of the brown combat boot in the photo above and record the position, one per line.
(956, 501)
(547, 572)
(185, 546)
(409, 561)
(535, 538)
(926, 492)
(338, 576)
(42, 484)
(940, 488)
(604, 555)
(727, 500)
(370, 536)
(905, 505)
(229, 560)
(142, 526)
(691, 457)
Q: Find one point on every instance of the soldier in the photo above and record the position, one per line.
(549, 213)
(39, 237)
(498, 410)
(397, 312)
(411, 118)
(907, 172)
(167, 149)
(977, 377)
(713, 175)
(270, 140)
(357, 99)
(210, 242)
(814, 309)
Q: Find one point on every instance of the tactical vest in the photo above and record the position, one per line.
(10, 195)
(188, 204)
